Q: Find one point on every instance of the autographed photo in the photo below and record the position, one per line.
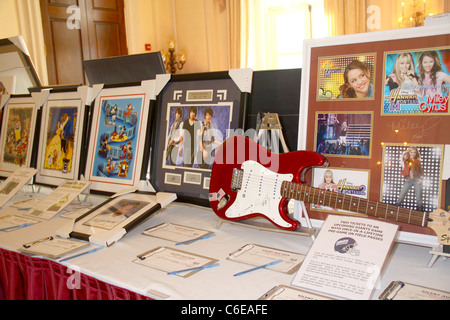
(60, 140)
(19, 122)
(117, 139)
(417, 82)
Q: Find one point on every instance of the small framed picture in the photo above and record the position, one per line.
(62, 128)
(17, 135)
(111, 220)
(118, 139)
(196, 114)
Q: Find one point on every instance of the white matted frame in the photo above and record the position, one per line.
(118, 138)
(17, 135)
(61, 137)
(410, 129)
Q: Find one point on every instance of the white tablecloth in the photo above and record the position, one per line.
(114, 264)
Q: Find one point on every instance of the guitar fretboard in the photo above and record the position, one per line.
(301, 192)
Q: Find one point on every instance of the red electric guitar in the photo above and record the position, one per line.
(248, 180)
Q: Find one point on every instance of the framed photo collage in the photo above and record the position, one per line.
(377, 108)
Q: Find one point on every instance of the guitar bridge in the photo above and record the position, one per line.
(236, 179)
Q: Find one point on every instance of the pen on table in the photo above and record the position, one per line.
(193, 240)
(81, 254)
(17, 227)
(195, 268)
(259, 267)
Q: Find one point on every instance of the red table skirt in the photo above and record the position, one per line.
(27, 278)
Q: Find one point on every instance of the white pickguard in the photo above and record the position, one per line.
(259, 193)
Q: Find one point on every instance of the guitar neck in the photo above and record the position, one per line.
(351, 203)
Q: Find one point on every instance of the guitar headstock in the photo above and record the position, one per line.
(440, 223)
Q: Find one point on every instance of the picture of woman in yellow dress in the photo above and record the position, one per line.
(60, 138)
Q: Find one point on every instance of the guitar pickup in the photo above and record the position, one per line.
(236, 179)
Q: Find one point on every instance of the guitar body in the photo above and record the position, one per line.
(246, 180)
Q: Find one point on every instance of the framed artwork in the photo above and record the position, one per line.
(62, 127)
(406, 74)
(196, 113)
(118, 139)
(17, 135)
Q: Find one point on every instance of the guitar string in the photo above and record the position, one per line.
(262, 182)
(398, 214)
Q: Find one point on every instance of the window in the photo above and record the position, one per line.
(278, 40)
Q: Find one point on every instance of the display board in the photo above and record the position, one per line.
(378, 107)
(276, 91)
(133, 68)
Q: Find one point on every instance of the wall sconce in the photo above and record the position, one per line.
(415, 16)
(170, 59)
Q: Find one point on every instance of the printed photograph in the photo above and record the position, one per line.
(353, 182)
(417, 82)
(116, 213)
(193, 134)
(344, 134)
(346, 77)
(412, 176)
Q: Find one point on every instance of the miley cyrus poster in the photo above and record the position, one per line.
(417, 82)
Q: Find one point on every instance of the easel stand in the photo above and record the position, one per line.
(268, 134)
(267, 226)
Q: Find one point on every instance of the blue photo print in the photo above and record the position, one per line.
(117, 138)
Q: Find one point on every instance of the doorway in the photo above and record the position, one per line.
(77, 30)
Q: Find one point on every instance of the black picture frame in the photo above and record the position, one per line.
(227, 94)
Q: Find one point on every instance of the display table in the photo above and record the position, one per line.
(111, 274)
